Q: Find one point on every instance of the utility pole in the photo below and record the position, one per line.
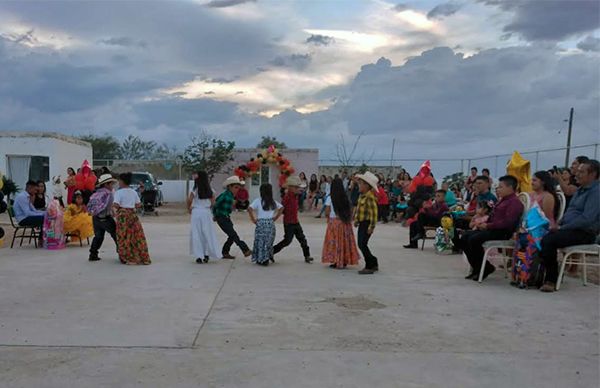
(569, 139)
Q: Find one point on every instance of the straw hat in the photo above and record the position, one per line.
(370, 178)
(295, 181)
(104, 179)
(233, 180)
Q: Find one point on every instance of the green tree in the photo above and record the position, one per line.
(104, 147)
(134, 148)
(267, 141)
(207, 153)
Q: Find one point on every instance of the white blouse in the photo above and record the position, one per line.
(262, 213)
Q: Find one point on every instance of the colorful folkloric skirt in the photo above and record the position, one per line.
(339, 247)
(264, 237)
(131, 241)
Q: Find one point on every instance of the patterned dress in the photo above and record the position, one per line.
(131, 240)
(339, 247)
(264, 238)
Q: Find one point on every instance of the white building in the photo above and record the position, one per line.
(40, 155)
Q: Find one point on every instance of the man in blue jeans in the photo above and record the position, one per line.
(580, 224)
(25, 213)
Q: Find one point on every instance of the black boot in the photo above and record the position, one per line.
(94, 257)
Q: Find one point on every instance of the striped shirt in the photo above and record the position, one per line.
(223, 204)
(366, 209)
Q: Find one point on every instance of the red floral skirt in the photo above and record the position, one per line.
(131, 241)
(339, 246)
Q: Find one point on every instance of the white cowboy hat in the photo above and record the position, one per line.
(104, 179)
(370, 178)
(233, 180)
(295, 181)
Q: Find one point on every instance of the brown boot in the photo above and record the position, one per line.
(228, 256)
(248, 253)
(548, 287)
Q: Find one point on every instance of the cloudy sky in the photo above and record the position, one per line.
(445, 79)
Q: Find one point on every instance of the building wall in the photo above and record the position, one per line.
(387, 171)
(61, 153)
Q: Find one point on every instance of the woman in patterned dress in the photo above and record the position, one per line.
(263, 212)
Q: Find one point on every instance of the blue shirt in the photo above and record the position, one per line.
(450, 198)
(583, 212)
(23, 207)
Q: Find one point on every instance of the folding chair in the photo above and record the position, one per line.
(26, 231)
(427, 235)
(578, 254)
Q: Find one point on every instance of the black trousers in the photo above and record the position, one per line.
(561, 239)
(417, 227)
(232, 237)
(291, 231)
(363, 245)
(383, 212)
(459, 224)
(34, 221)
(102, 226)
(471, 243)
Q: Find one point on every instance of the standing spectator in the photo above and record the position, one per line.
(486, 172)
(469, 183)
(302, 194)
(70, 184)
(313, 189)
(383, 203)
(580, 223)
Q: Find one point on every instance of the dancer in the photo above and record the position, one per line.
(77, 221)
(131, 240)
(100, 207)
(291, 225)
(339, 247)
(264, 212)
(222, 215)
(365, 218)
(203, 237)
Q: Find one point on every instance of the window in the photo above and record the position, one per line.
(39, 169)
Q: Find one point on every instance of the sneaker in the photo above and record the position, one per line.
(308, 259)
(199, 260)
(366, 271)
(206, 259)
(248, 253)
(548, 287)
(228, 256)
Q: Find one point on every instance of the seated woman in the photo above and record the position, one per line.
(41, 199)
(242, 199)
(77, 220)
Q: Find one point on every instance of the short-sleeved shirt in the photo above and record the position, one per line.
(330, 204)
(126, 198)
(262, 213)
(198, 203)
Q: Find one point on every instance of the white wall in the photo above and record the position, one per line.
(175, 191)
(62, 154)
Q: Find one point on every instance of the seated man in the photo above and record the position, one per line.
(25, 213)
(242, 199)
(450, 197)
(501, 224)
(579, 225)
(430, 215)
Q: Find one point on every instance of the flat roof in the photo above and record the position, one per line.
(53, 135)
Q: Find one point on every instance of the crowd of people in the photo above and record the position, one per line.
(467, 214)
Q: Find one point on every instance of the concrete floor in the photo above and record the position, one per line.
(66, 322)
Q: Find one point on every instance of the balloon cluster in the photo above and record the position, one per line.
(268, 156)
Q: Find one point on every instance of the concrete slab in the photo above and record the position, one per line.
(65, 322)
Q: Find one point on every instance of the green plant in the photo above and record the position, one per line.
(9, 187)
(208, 154)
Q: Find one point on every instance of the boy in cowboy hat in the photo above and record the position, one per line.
(100, 207)
(222, 211)
(365, 218)
(291, 225)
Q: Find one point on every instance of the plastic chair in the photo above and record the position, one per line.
(563, 205)
(578, 254)
(426, 236)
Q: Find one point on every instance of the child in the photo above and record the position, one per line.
(100, 207)
(264, 212)
(383, 203)
(131, 241)
(291, 225)
(77, 221)
(429, 215)
(203, 237)
(365, 218)
(222, 215)
(482, 214)
(339, 247)
(57, 190)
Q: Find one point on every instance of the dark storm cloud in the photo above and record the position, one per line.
(442, 10)
(295, 61)
(590, 43)
(550, 20)
(319, 40)
(183, 113)
(227, 3)
(401, 7)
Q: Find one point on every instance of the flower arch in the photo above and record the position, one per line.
(268, 156)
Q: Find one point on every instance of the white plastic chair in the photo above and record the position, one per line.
(578, 254)
(503, 245)
(563, 205)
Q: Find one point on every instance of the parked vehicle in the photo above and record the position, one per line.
(149, 184)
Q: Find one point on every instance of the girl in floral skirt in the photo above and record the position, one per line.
(264, 212)
(131, 241)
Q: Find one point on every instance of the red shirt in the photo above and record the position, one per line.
(290, 208)
(382, 197)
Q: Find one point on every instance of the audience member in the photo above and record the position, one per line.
(242, 199)
(25, 213)
(450, 197)
(569, 186)
(469, 183)
(430, 215)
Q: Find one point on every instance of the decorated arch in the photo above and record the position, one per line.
(269, 156)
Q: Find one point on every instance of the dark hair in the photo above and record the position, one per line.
(473, 168)
(72, 169)
(485, 205)
(104, 170)
(42, 183)
(126, 177)
(31, 183)
(482, 178)
(593, 167)
(302, 174)
(266, 196)
(485, 170)
(441, 191)
(313, 177)
(202, 186)
(511, 181)
(549, 186)
(582, 159)
(340, 202)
